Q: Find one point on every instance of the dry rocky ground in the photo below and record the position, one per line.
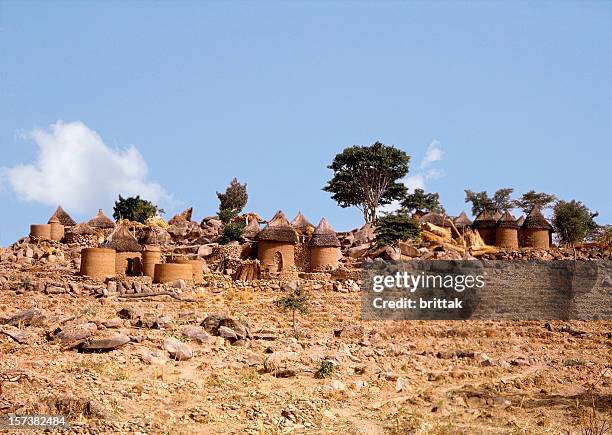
(227, 361)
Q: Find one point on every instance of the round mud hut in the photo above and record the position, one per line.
(485, 225)
(521, 236)
(324, 247)
(537, 232)
(129, 252)
(151, 255)
(506, 232)
(101, 221)
(98, 263)
(40, 231)
(63, 217)
(168, 272)
(276, 245)
(462, 221)
(57, 229)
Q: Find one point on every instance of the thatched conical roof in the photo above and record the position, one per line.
(302, 224)
(324, 235)
(484, 219)
(462, 220)
(536, 220)
(121, 240)
(83, 229)
(497, 215)
(251, 230)
(101, 221)
(278, 230)
(63, 217)
(520, 221)
(435, 219)
(507, 221)
(54, 220)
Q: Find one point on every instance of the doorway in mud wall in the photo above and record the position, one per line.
(277, 262)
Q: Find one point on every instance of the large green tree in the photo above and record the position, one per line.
(532, 199)
(502, 200)
(368, 177)
(573, 221)
(421, 201)
(135, 209)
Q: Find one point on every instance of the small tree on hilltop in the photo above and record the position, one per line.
(533, 199)
(233, 201)
(296, 301)
(421, 201)
(135, 209)
(573, 221)
(480, 202)
(368, 177)
(393, 228)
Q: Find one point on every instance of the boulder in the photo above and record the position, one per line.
(177, 349)
(105, 344)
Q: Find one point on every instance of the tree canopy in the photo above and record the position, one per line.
(573, 221)
(393, 228)
(135, 209)
(532, 199)
(421, 201)
(233, 201)
(368, 177)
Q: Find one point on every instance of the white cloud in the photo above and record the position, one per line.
(433, 154)
(76, 169)
(419, 179)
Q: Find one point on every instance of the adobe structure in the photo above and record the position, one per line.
(519, 223)
(57, 229)
(276, 245)
(128, 260)
(151, 255)
(506, 232)
(537, 232)
(99, 263)
(324, 248)
(82, 233)
(485, 225)
(168, 272)
(40, 231)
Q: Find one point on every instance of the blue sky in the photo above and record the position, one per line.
(514, 93)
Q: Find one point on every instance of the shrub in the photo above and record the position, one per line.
(135, 209)
(395, 227)
(325, 370)
(573, 221)
(296, 301)
(232, 231)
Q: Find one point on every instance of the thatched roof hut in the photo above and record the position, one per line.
(520, 221)
(507, 221)
(324, 235)
(536, 220)
(497, 215)
(437, 219)
(251, 230)
(302, 224)
(63, 217)
(101, 221)
(484, 220)
(278, 230)
(462, 221)
(122, 240)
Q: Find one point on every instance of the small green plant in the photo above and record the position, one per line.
(326, 368)
(226, 215)
(296, 301)
(392, 228)
(232, 231)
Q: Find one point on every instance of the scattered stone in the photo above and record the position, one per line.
(177, 349)
(198, 334)
(105, 344)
